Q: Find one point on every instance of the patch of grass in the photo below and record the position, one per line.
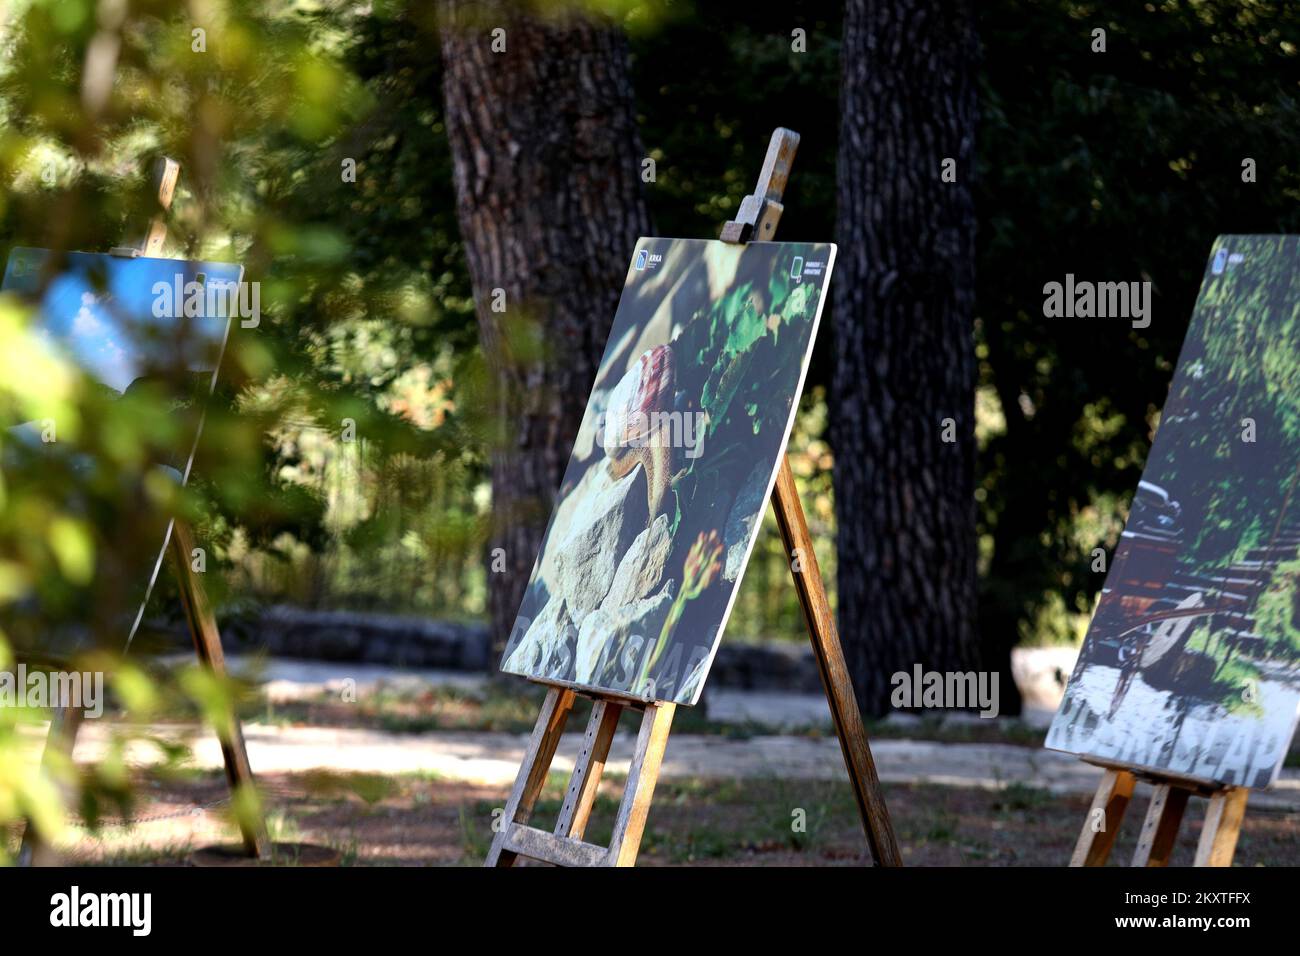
(348, 852)
(1001, 731)
(143, 855)
(475, 841)
(1019, 796)
(702, 843)
(281, 827)
(942, 829)
(371, 788)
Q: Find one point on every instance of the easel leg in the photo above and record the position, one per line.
(532, 772)
(60, 743)
(1104, 817)
(1223, 819)
(207, 645)
(587, 771)
(642, 776)
(1160, 828)
(835, 673)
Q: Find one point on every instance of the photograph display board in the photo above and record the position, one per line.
(672, 467)
(1191, 665)
(150, 331)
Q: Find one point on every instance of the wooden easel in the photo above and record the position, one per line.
(1169, 796)
(199, 618)
(757, 218)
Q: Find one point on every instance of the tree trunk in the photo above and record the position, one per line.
(903, 320)
(547, 164)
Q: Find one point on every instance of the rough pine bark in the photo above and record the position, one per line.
(547, 161)
(903, 320)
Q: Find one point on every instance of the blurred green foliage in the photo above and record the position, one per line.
(239, 93)
(1122, 165)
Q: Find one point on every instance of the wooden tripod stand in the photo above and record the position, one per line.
(757, 218)
(201, 621)
(1218, 841)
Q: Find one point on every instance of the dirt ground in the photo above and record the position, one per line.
(416, 821)
(425, 819)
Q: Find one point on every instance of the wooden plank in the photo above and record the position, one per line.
(835, 673)
(207, 645)
(777, 162)
(1201, 786)
(587, 770)
(760, 213)
(207, 639)
(642, 776)
(1111, 799)
(521, 840)
(1218, 840)
(532, 772)
(59, 744)
(166, 174)
(1160, 827)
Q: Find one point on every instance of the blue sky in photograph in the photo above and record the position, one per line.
(99, 311)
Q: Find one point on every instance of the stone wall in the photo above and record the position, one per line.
(366, 637)
(373, 638)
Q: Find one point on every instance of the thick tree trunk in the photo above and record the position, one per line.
(903, 319)
(547, 168)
